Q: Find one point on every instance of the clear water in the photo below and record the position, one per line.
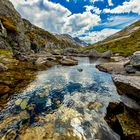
(62, 94)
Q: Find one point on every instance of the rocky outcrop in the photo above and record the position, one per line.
(96, 54)
(129, 85)
(113, 67)
(124, 120)
(14, 26)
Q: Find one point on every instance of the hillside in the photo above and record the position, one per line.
(124, 42)
(69, 40)
(22, 37)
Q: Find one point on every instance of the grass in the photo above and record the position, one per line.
(125, 47)
(6, 53)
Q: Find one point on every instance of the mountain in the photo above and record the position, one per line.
(22, 37)
(81, 42)
(68, 40)
(124, 42)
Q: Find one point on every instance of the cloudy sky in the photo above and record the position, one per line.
(90, 20)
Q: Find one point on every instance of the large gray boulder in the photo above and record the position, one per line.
(94, 53)
(129, 85)
(135, 61)
(107, 54)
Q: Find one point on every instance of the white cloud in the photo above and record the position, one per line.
(110, 3)
(93, 37)
(126, 7)
(56, 18)
(93, 9)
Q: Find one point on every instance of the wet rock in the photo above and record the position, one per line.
(94, 105)
(129, 85)
(68, 62)
(124, 121)
(4, 89)
(80, 69)
(105, 68)
(3, 68)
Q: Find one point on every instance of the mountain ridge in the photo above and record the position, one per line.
(124, 42)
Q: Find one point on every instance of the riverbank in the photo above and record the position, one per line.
(126, 77)
(15, 74)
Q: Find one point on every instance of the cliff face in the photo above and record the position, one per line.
(14, 36)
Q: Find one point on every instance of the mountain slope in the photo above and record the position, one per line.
(69, 40)
(124, 42)
(22, 37)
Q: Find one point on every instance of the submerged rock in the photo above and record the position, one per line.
(94, 105)
(4, 89)
(129, 85)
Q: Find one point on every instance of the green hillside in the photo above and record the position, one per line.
(124, 42)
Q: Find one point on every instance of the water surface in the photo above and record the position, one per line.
(62, 103)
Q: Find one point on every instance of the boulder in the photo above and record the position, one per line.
(2, 67)
(105, 68)
(136, 53)
(129, 85)
(107, 54)
(94, 53)
(68, 62)
(130, 69)
(135, 61)
(124, 120)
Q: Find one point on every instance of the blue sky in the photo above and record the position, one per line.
(90, 20)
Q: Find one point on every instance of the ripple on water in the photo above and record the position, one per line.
(56, 106)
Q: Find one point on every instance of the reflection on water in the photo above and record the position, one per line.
(63, 103)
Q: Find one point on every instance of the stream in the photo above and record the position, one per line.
(62, 103)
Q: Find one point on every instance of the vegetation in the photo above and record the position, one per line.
(6, 53)
(125, 42)
(8, 24)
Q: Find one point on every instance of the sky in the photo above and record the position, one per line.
(90, 20)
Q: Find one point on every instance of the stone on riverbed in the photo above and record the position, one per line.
(68, 62)
(129, 85)
(94, 105)
(113, 67)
